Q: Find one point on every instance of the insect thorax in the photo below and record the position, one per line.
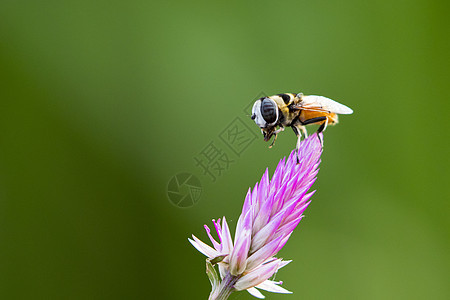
(287, 115)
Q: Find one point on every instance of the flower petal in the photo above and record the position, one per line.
(255, 293)
(283, 242)
(216, 245)
(263, 215)
(203, 248)
(289, 227)
(247, 202)
(227, 242)
(245, 222)
(257, 276)
(218, 229)
(284, 263)
(238, 257)
(273, 286)
(263, 254)
(263, 187)
(260, 238)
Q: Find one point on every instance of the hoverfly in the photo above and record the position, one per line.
(295, 111)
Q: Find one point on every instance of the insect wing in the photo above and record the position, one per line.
(321, 103)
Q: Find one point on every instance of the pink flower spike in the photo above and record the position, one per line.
(270, 213)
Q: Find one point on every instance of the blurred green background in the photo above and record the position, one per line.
(102, 102)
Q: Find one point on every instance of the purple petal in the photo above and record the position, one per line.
(244, 222)
(263, 215)
(247, 202)
(218, 229)
(283, 242)
(279, 200)
(299, 209)
(238, 258)
(227, 242)
(287, 228)
(255, 198)
(213, 241)
(265, 180)
(203, 248)
(263, 254)
(257, 276)
(277, 175)
(265, 234)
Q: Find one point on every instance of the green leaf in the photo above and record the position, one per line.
(212, 276)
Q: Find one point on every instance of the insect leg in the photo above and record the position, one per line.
(275, 135)
(322, 129)
(304, 132)
(323, 126)
(299, 136)
(279, 130)
(273, 142)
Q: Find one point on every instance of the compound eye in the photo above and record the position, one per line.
(269, 111)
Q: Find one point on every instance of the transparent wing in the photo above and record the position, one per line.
(320, 103)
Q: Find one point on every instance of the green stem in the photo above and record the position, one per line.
(225, 288)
